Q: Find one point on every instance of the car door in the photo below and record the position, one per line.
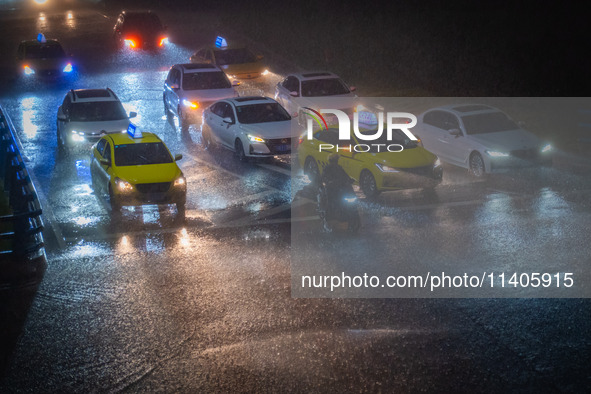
(455, 145)
(433, 133)
(172, 89)
(103, 174)
(290, 84)
(97, 154)
(63, 116)
(215, 121)
(227, 131)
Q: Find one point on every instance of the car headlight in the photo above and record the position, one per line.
(68, 68)
(254, 138)
(28, 70)
(437, 163)
(122, 185)
(385, 168)
(546, 148)
(350, 200)
(180, 181)
(191, 104)
(493, 153)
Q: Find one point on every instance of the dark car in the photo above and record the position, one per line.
(140, 30)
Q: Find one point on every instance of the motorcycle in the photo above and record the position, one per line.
(341, 207)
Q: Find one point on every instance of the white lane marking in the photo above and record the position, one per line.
(280, 170)
(207, 163)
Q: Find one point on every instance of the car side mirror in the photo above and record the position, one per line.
(352, 88)
(294, 94)
(228, 120)
(455, 132)
(105, 162)
(235, 83)
(132, 114)
(178, 157)
(62, 117)
(174, 85)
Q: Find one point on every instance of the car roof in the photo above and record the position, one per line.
(88, 95)
(310, 75)
(466, 109)
(124, 138)
(197, 67)
(48, 42)
(248, 100)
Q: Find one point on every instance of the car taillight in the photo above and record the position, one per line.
(131, 43)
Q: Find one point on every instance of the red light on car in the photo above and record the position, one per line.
(131, 43)
(162, 41)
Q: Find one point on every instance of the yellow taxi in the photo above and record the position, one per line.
(377, 165)
(43, 58)
(237, 61)
(136, 168)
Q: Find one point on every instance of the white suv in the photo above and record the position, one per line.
(192, 87)
(88, 114)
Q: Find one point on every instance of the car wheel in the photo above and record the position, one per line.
(239, 150)
(368, 184)
(311, 170)
(183, 123)
(169, 117)
(477, 165)
(60, 143)
(208, 144)
(115, 204)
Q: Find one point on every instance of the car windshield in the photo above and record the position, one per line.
(234, 56)
(261, 113)
(141, 154)
(97, 111)
(491, 122)
(398, 137)
(206, 80)
(45, 51)
(142, 22)
(324, 87)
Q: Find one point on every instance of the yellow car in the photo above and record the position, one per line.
(137, 168)
(43, 58)
(237, 61)
(378, 165)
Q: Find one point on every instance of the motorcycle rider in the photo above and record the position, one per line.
(336, 180)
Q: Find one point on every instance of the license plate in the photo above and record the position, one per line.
(283, 148)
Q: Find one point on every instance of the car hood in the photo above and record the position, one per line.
(150, 173)
(270, 129)
(507, 140)
(208, 94)
(243, 68)
(111, 126)
(408, 158)
(47, 63)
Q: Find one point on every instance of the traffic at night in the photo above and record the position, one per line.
(293, 197)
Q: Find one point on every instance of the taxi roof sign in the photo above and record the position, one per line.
(221, 42)
(41, 38)
(133, 131)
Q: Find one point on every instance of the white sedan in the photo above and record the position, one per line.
(249, 126)
(480, 138)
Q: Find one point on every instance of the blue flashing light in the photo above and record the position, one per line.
(41, 38)
(221, 42)
(133, 131)
(68, 68)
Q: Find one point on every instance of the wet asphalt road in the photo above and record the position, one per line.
(151, 303)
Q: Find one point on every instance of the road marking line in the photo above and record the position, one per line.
(275, 168)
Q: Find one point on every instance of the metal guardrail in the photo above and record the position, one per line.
(20, 230)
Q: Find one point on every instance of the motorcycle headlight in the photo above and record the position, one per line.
(180, 181)
(123, 186)
(254, 138)
(493, 153)
(385, 168)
